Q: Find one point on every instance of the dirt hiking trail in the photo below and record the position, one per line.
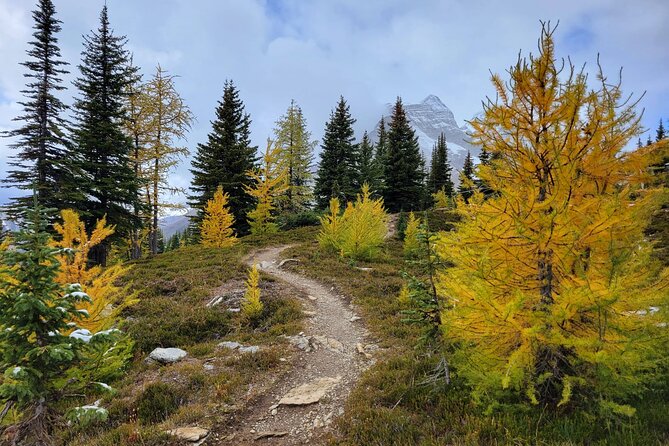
(331, 353)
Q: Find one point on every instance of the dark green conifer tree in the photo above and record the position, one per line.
(225, 160)
(338, 171)
(108, 184)
(660, 133)
(440, 169)
(381, 145)
(367, 165)
(403, 169)
(43, 163)
(466, 187)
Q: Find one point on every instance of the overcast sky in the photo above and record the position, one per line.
(370, 51)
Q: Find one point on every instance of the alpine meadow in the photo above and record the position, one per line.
(232, 223)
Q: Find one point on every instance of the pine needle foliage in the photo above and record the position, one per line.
(332, 227)
(554, 297)
(365, 227)
(296, 157)
(216, 230)
(359, 232)
(41, 364)
(43, 162)
(269, 183)
(108, 299)
(251, 305)
(441, 199)
(411, 241)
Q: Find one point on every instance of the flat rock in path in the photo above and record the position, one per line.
(190, 434)
(167, 355)
(300, 342)
(270, 434)
(309, 393)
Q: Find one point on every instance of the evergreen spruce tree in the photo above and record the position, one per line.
(639, 144)
(649, 141)
(294, 140)
(466, 187)
(37, 358)
(109, 184)
(403, 174)
(337, 170)
(43, 163)
(367, 165)
(660, 133)
(381, 146)
(224, 160)
(440, 169)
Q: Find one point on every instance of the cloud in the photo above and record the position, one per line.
(370, 51)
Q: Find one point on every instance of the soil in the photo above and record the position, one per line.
(339, 355)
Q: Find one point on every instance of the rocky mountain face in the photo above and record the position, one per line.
(429, 118)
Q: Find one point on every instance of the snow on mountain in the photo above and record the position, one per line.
(429, 119)
(171, 224)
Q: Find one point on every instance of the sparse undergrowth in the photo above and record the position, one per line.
(174, 289)
(392, 405)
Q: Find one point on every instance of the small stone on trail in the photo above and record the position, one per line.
(166, 355)
(355, 318)
(191, 434)
(312, 297)
(274, 412)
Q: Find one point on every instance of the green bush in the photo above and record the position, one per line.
(157, 402)
(301, 219)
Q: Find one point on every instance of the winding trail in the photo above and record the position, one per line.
(335, 339)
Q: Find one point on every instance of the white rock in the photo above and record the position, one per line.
(230, 345)
(309, 393)
(355, 318)
(167, 355)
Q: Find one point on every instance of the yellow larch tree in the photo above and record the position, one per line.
(554, 296)
(168, 120)
(441, 200)
(216, 229)
(269, 183)
(251, 305)
(332, 226)
(411, 241)
(365, 225)
(108, 299)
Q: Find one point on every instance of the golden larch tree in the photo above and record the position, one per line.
(269, 183)
(216, 229)
(251, 305)
(168, 120)
(107, 299)
(553, 295)
(364, 226)
(411, 242)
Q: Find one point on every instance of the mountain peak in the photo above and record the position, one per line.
(434, 101)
